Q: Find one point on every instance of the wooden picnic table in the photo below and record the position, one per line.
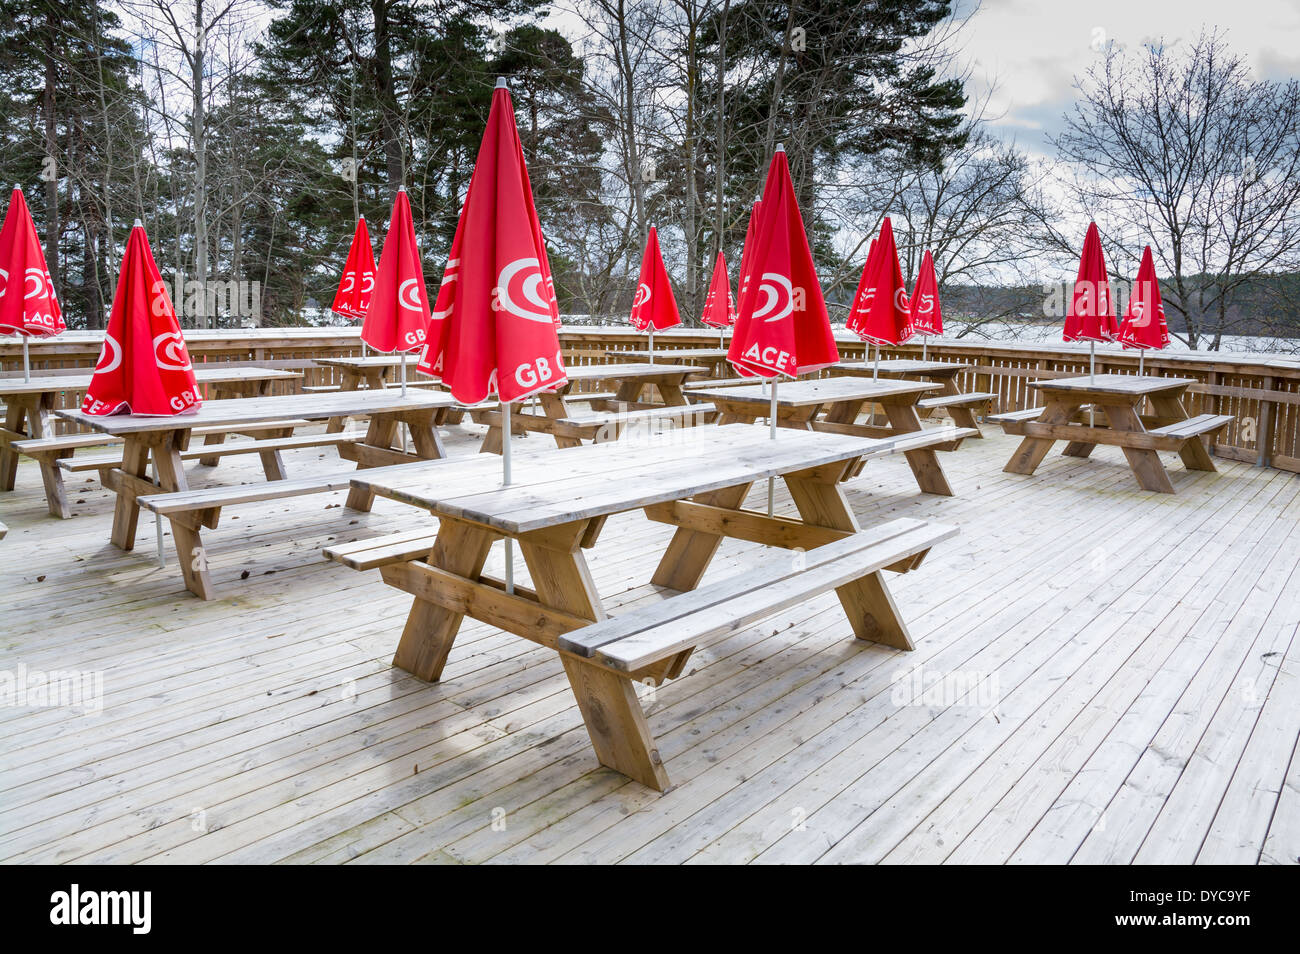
(800, 402)
(943, 373)
(372, 371)
(29, 404)
(1120, 399)
(163, 439)
(696, 481)
(632, 381)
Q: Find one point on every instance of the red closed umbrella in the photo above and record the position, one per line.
(781, 327)
(143, 367)
(654, 308)
(495, 328)
(1091, 316)
(719, 307)
(398, 316)
(352, 300)
(882, 314)
(927, 315)
(28, 305)
(1144, 326)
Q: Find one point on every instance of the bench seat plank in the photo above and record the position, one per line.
(956, 400)
(298, 441)
(635, 640)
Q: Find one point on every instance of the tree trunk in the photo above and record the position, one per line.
(50, 171)
(389, 114)
(200, 166)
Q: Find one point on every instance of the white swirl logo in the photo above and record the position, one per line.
(408, 295)
(864, 305)
(169, 351)
(367, 282)
(642, 295)
(927, 304)
(113, 351)
(40, 289)
(349, 279)
(778, 291)
(519, 291)
(5, 283)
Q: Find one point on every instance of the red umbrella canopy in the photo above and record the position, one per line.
(719, 308)
(1144, 324)
(495, 327)
(28, 305)
(143, 367)
(927, 315)
(881, 313)
(352, 300)
(1091, 316)
(398, 316)
(654, 307)
(782, 326)
(747, 259)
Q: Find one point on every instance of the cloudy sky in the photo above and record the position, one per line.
(1029, 51)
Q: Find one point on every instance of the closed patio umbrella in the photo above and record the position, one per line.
(782, 327)
(352, 300)
(397, 319)
(1144, 326)
(28, 306)
(654, 308)
(927, 315)
(1091, 316)
(495, 327)
(881, 312)
(719, 306)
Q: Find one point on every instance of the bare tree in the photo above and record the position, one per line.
(1184, 149)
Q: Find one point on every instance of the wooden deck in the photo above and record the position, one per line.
(1105, 675)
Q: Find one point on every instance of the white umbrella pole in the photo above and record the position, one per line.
(925, 346)
(157, 525)
(1142, 357)
(875, 371)
(1092, 374)
(505, 474)
(27, 364)
(652, 344)
(771, 481)
(403, 426)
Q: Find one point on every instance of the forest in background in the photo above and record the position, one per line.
(248, 135)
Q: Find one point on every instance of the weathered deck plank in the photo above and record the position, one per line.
(269, 726)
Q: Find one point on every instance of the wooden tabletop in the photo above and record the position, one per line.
(214, 373)
(901, 367)
(369, 361)
(245, 410)
(1127, 385)
(672, 354)
(801, 393)
(560, 486)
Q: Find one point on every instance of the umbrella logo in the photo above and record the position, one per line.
(900, 299)
(778, 290)
(113, 351)
(448, 276)
(349, 279)
(40, 288)
(642, 295)
(926, 304)
(1141, 318)
(522, 297)
(367, 282)
(408, 295)
(867, 296)
(4, 281)
(169, 351)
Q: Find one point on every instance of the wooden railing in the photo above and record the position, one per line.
(1262, 392)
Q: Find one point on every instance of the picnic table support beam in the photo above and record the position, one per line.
(690, 551)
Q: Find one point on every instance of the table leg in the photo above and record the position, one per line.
(431, 629)
(844, 412)
(349, 380)
(185, 527)
(379, 433)
(126, 512)
(690, 551)
(672, 394)
(1145, 464)
(961, 416)
(554, 407)
(8, 456)
(272, 462)
(866, 601)
(613, 715)
(1194, 453)
(425, 436)
(39, 426)
(1032, 450)
(924, 462)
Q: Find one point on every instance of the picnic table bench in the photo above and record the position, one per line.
(28, 429)
(801, 403)
(1119, 398)
(189, 511)
(570, 428)
(696, 482)
(959, 405)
